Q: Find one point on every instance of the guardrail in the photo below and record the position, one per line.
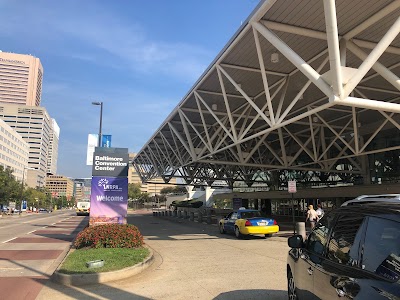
(202, 214)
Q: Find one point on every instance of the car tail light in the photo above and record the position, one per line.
(275, 222)
(248, 223)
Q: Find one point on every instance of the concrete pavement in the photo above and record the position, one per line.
(194, 261)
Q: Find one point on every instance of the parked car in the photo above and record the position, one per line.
(364, 199)
(248, 222)
(353, 252)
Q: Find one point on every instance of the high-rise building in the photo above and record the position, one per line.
(35, 126)
(13, 151)
(53, 148)
(20, 79)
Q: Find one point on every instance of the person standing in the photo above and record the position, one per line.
(320, 212)
(312, 216)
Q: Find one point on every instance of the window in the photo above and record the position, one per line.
(318, 237)
(381, 251)
(234, 216)
(345, 240)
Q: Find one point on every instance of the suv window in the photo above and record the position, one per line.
(318, 237)
(381, 253)
(345, 240)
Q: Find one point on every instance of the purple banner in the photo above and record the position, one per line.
(109, 200)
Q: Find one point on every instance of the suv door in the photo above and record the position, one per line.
(310, 257)
(336, 272)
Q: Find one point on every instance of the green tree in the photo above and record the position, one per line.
(10, 188)
(134, 191)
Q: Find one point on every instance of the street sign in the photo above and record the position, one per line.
(292, 186)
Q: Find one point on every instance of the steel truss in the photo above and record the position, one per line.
(319, 111)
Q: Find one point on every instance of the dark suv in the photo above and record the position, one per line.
(353, 252)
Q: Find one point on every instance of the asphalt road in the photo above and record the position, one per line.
(31, 248)
(194, 261)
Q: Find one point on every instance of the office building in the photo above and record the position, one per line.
(20, 79)
(35, 126)
(53, 148)
(156, 185)
(13, 151)
(60, 186)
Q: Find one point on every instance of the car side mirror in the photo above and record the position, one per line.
(295, 241)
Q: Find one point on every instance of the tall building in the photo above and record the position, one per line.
(35, 126)
(156, 185)
(21, 79)
(13, 151)
(53, 148)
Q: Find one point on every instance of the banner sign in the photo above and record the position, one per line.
(93, 140)
(108, 200)
(110, 162)
(106, 140)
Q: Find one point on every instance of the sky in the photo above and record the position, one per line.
(139, 58)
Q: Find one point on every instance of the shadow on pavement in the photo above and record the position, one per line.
(252, 295)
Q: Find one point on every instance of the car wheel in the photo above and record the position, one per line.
(292, 294)
(237, 232)
(221, 229)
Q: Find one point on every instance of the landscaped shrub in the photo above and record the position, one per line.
(109, 236)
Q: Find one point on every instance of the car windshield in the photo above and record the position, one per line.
(250, 214)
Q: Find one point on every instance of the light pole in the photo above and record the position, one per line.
(22, 183)
(101, 120)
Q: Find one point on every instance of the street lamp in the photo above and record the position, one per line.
(22, 183)
(101, 120)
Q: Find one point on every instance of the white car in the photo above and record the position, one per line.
(364, 199)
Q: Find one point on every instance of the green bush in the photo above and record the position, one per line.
(109, 236)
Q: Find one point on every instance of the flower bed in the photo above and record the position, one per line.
(109, 236)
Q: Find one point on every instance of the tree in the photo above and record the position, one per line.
(10, 188)
(134, 191)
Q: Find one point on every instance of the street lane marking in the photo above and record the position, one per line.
(31, 231)
(9, 240)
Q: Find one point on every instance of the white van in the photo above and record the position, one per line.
(365, 199)
(83, 208)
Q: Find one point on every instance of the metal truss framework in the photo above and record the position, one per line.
(325, 105)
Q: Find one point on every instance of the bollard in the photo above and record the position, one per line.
(154, 213)
(170, 213)
(191, 216)
(185, 214)
(174, 214)
(163, 213)
(199, 217)
(179, 214)
(301, 229)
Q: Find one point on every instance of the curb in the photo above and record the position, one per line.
(86, 279)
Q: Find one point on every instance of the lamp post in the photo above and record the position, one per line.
(22, 183)
(101, 120)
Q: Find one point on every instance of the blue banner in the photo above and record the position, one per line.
(106, 140)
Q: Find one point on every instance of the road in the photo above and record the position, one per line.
(31, 248)
(194, 261)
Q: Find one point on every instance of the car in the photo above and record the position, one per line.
(248, 222)
(364, 199)
(353, 252)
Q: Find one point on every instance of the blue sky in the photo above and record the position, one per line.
(139, 57)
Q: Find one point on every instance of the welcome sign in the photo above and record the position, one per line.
(108, 200)
(109, 191)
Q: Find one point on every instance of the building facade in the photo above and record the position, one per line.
(60, 186)
(53, 148)
(153, 188)
(21, 79)
(13, 151)
(35, 126)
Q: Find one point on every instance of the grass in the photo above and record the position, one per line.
(114, 259)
